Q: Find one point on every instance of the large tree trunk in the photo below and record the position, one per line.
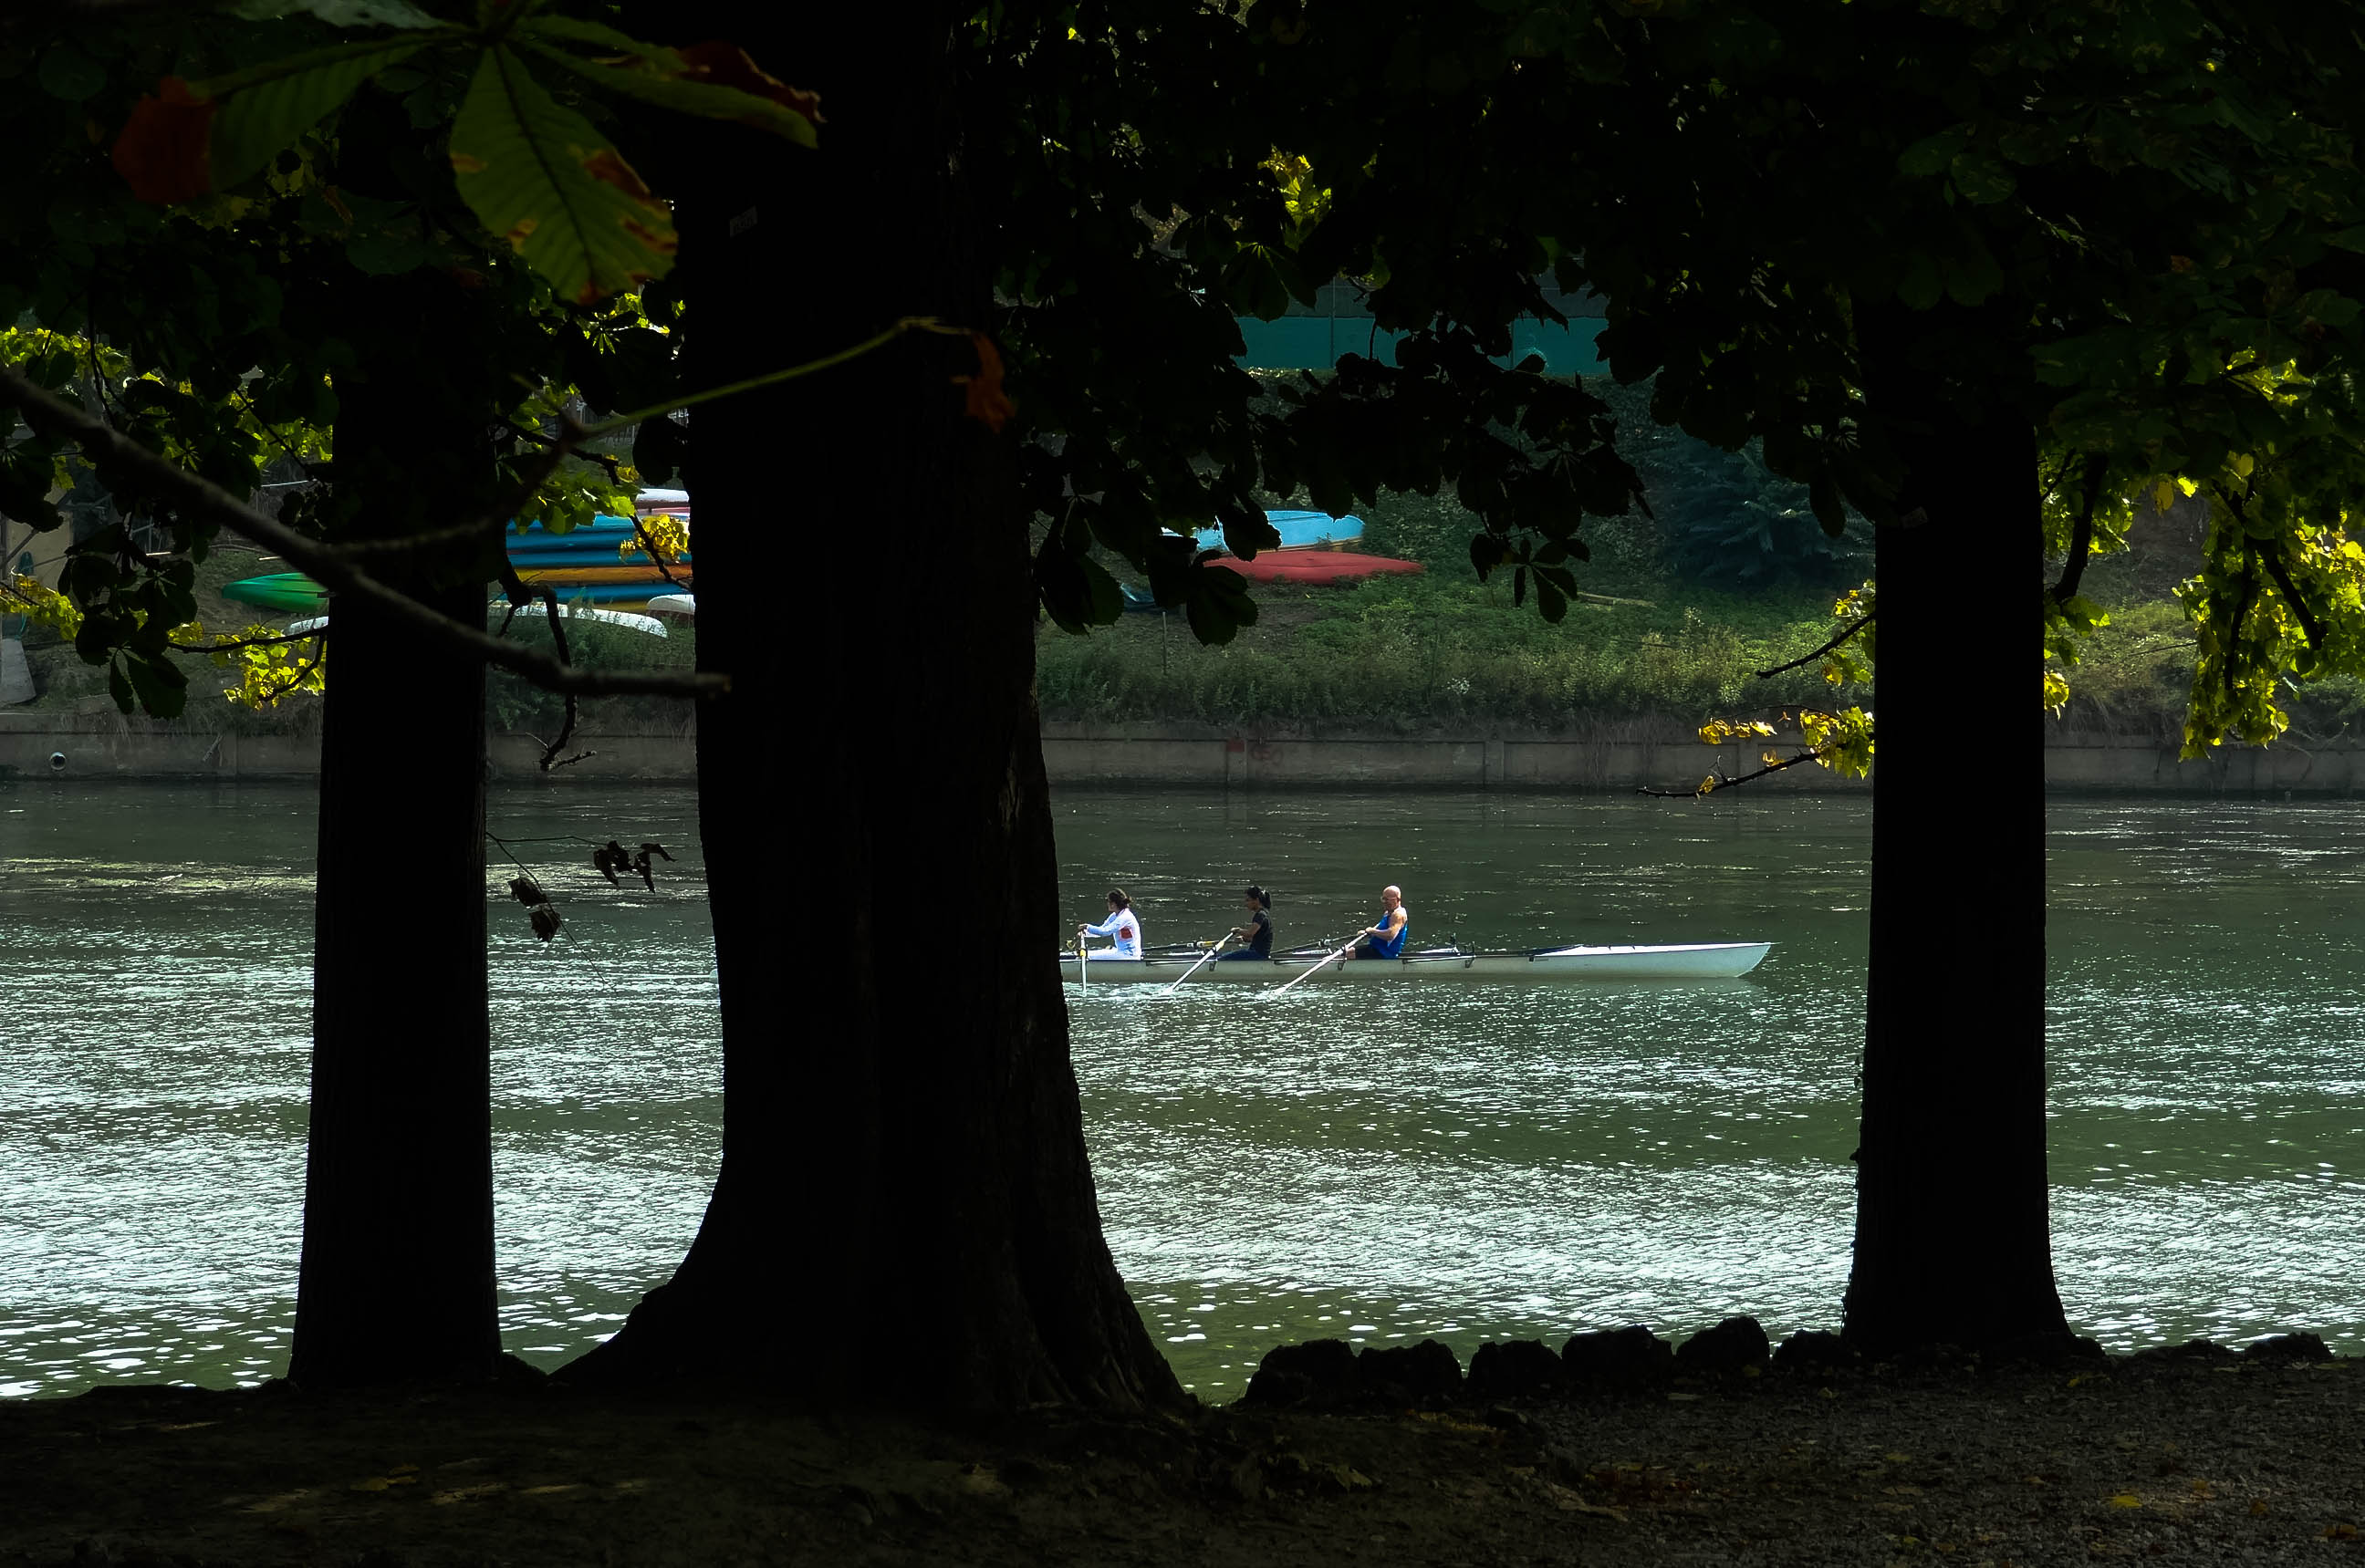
(1953, 1240)
(396, 1278)
(905, 1213)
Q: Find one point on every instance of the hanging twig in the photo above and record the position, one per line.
(520, 593)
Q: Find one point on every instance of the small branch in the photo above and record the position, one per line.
(2081, 537)
(1845, 633)
(566, 657)
(1724, 783)
(248, 642)
(2241, 612)
(641, 532)
(773, 379)
(326, 564)
(2309, 626)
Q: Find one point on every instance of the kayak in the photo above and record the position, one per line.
(1684, 960)
(1316, 566)
(1298, 531)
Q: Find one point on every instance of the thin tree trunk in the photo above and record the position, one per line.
(397, 1277)
(905, 1212)
(1953, 1234)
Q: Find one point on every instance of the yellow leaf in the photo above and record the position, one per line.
(2258, 1507)
(2243, 463)
(1708, 784)
(2164, 495)
(2126, 1500)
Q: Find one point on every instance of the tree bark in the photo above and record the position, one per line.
(1953, 1241)
(395, 1284)
(905, 1213)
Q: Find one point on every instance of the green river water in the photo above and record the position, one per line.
(1370, 1161)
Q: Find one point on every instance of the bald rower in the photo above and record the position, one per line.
(1386, 939)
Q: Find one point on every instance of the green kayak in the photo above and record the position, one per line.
(283, 591)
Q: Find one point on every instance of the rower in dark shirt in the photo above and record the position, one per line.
(1258, 932)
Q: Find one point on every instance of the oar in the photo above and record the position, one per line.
(1193, 969)
(1326, 962)
(1081, 984)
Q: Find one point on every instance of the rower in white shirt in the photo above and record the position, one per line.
(1123, 927)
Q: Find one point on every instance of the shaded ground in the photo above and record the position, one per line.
(2184, 1463)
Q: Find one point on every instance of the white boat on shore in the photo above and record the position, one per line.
(1683, 960)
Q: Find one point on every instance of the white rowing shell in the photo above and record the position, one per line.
(1687, 961)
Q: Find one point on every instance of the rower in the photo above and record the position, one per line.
(1123, 927)
(1258, 932)
(1386, 939)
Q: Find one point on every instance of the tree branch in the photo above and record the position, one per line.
(2309, 626)
(649, 545)
(2081, 538)
(326, 564)
(1724, 783)
(1845, 633)
(248, 642)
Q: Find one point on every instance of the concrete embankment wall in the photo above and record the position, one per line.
(1621, 757)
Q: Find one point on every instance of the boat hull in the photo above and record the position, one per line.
(1688, 960)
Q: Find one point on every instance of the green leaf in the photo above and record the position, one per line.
(1260, 280)
(262, 113)
(536, 174)
(1975, 277)
(1246, 531)
(339, 13)
(1218, 604)
(118, 686)
(1921, 286)
(1932, 154)
(576, 29)
(708, 99)
(66, 73)
(1982, 178)
(383, 254)
(162, 689)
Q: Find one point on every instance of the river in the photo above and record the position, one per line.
(1376, 1162)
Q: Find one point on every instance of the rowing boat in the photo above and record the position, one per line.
(1683, 960)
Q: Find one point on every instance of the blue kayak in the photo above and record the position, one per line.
(1298, 530)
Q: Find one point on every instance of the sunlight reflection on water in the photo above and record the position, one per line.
(1378, 1162)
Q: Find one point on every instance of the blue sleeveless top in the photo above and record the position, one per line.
(1389, 946)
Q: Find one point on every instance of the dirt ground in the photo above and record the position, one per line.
(2211, 1464)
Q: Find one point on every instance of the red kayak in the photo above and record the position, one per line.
(1316, 566)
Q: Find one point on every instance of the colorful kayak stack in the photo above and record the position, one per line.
(585, 565)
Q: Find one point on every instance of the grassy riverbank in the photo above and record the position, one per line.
(1443, 647)
(1728, 577)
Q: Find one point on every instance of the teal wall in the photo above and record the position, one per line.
(1339, 323)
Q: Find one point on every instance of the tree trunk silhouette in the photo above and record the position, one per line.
(1953, 1241)
(905, 1213)
(396, 1278)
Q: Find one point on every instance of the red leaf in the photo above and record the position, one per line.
(727, 65)
(987, 403)
(164, 152)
